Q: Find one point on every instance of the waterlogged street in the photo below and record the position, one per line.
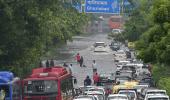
(83, 45)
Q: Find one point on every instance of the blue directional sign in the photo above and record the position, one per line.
(102, 6)
(78, 7)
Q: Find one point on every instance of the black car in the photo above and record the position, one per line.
(148, 81)
(115, 46)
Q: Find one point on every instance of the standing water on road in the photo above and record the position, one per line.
(83, 45)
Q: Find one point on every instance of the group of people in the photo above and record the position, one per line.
(88, 81)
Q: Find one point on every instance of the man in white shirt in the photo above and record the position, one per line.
(94, 66)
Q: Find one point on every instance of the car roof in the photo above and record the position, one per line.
(115, 95)
(157, 96)
(155, 90)
(99, 42)
(94, 92)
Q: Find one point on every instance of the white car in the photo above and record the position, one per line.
(99, 95)
(121, 63)
(117, 97)
(155, 92)
(116, 31)
(85, 97)
(130, 93)
(100, 89)
(140, 87)
(157, 97)
(100, 47)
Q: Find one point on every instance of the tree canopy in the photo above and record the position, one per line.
(28, 27)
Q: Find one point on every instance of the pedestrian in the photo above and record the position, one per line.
(40, 64)
(2, 94)
(87, 81)
(94, 66)
(96, 78)
(47, 64)
(71, 68)
(81, 61)
(78, 58)
(52, 63)
(65, 65)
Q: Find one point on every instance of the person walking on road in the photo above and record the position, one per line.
(81, 61)
(78, 58)
(87, 81)
(52, 63)
(94, 66)
(47, 64)
(40, 64)
(71, 68)
(96, 78)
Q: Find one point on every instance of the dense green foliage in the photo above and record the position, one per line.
(29, 27)
(161, 75)
(149, 26)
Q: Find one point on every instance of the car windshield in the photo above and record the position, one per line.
(131, 95)
(99, 44)
(84, 98)
(158, 99)
(41, 87)
(156, 92)
(100, 97)
(117, 98)
(100, 90)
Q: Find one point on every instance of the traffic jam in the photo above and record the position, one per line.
(132, 80)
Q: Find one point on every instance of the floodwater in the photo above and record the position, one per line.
(83, 45)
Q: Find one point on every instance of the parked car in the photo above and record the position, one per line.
(117, 97)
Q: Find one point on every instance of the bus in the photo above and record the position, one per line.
(10, 85)
(116, 22)
(54, 83)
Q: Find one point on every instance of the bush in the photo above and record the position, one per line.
(164, 83)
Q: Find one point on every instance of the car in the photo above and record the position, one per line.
(120, 55)
(132, 95)
(115, 46)
(85, 88)
(148, 80)
(116, 31)
(100, 47)
(107, 77)
(117, 97)
(139, 87)
(85, 97)
(154, 92)
(99, 95)
(157, 97)
(122, 79)
(97, 88)
(121, 63)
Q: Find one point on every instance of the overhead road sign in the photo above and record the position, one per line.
(102, 6)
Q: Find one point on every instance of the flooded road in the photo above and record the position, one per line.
(83, 45)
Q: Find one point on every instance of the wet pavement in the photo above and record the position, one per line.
(83, 45)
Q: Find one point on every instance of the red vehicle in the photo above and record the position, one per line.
(116, 22)
(53, 83)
